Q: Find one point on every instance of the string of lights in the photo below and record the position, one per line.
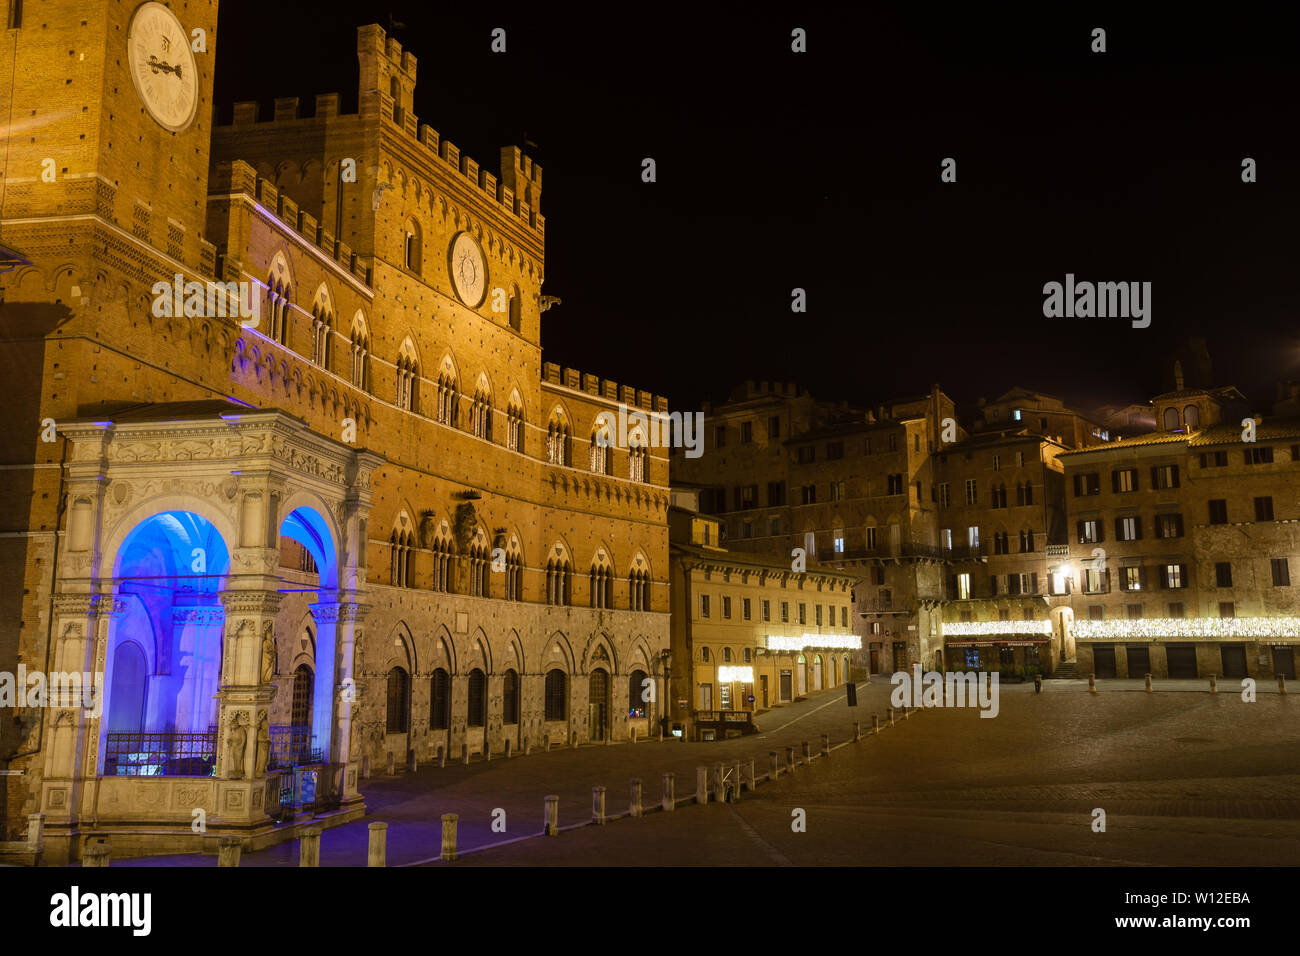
(1242, 627)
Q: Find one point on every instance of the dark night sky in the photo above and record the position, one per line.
(821, 170)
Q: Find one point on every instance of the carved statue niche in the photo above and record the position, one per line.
(268, 652)
(238, 749)
(428, 529)
(263, 745)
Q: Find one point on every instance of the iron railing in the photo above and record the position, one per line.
(160, 755)
(293, 746)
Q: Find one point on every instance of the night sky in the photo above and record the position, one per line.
(821, 170)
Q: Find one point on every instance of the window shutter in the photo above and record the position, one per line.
(1033, 583)
(1155, 476)
(1182, 574)
(993, 585)
(1173, 476)
(1137, 528)
(1080, 527)
(1119, 529)
(1114, 481)
(1164, 576)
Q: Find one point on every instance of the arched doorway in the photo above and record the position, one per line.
(801, 670)
(163, 664)
(817, 672)
(599, 704)
(129, 690)
(306, 526)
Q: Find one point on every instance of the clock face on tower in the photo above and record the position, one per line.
(162, 66)
(468, 270)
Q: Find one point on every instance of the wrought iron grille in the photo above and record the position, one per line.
(292, 747)
(160, 755)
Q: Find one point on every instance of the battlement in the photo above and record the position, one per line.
(238, 177)
(602, 388)
(372, 39)
(385, 67)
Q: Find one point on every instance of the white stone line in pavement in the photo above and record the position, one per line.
(799, 718)
(773, 853)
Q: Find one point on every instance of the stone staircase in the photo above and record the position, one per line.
(1066, 670)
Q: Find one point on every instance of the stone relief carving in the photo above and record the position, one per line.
(263, 745)
(268, 652)
(238, 748)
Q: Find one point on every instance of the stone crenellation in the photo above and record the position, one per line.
(603, 388)
(517, 190)
(238, 177)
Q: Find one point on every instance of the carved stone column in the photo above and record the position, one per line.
(249, 659)
(344, 621)
(81, 631)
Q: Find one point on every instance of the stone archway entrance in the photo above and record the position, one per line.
(172, 584)
(598, 704)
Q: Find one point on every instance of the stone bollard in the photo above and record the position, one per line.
(551, 816)
(412, 764)
(1092, 683)
(719, 790)
(661, 733)
(857, 731)
(875, 723)
(701, 784)
(508, 748)
(36, 828)
(309, 847)
(378, 851)
(826, 745)
(789, 759)
(574, 741)
(598, 806)
(609, 738)
(390, 763)
(449, 837)
(739, 783)
(753, 780)
(528, 746)
(907, 712)
(1281, 683)
(1149, 688)
(98, 853)
(1214, 684)
(228, 850)
(772, 771)
(804, 752)
(670, 795)
(442, 756)
(889, 713)
(464, 754)
(365, 767)
(1038, 683)
(634, 799)
(547, 741)
(487, 749)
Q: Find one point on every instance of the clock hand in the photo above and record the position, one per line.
(161, 66)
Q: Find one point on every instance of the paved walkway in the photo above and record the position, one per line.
(1185, 777)
(413, 804)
